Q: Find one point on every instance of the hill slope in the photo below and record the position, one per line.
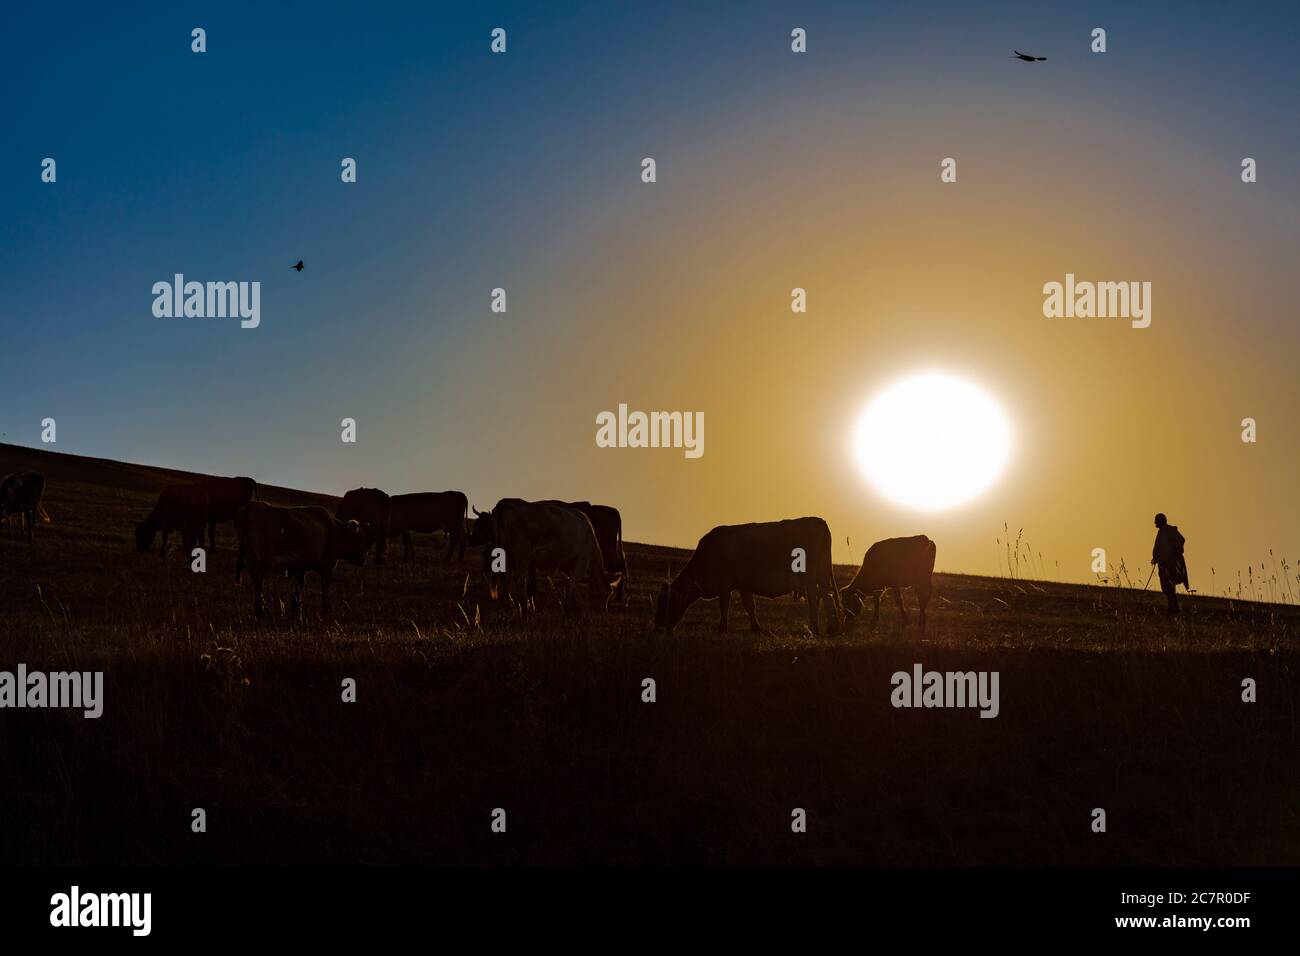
(1103, 703)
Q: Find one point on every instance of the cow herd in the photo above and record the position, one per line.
(580, 540)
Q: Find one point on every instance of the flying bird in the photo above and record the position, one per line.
(299, 265)
(1026, 57)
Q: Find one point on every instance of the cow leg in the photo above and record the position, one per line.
(528, 605)
(409, 551)
(747, 600)
(898, 596)
(325, 577)
(875, 616)
(812, 595)
(923, 598)
(572, 603)
(724, 606)
(166, 530)
(259, 603)
(299, 582)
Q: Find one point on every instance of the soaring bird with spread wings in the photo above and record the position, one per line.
(1026, 57)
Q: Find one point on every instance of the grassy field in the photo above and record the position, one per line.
(462, 709)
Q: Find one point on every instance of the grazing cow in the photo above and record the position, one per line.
(539, 535)
(893, 564)
(295, 540)
(608, 525)
(760, 559)
(427, 512)
(369, 506)
(179, 507)
(20, 494)
(225, 497)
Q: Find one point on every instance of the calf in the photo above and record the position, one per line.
(182, 508)
(295, 540)
(893, 564)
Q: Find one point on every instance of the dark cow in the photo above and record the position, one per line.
(427, 512)
(760, 559)
(369, 506)
(20, 494)
(295, 540)
(180, 507)
(225, 497)
(536, 535)
(893, 564)
(608, 525)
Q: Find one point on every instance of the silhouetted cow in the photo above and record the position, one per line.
(427, 512)
(180, 507)
(760, 559)
(20, 494)
(296, 540)
(893, 564)
(372, 507)
(608, 525)
(225, 497)
(543, 536)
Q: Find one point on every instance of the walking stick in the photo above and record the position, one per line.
(1149, 577)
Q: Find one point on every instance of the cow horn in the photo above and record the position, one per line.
(477, 513)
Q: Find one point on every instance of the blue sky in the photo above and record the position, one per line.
(521, 171)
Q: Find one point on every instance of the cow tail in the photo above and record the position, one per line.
(40, 510)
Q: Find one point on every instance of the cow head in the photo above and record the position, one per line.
(144, 535)
(356, 541)
(670, 605)
(852, 601)
(601, 595)
(482, 533)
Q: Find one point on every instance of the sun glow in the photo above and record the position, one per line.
(932, 441)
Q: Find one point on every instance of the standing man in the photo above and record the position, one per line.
(1167, 555)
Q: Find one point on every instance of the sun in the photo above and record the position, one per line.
(932, 441)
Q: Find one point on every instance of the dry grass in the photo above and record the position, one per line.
(1104, 703)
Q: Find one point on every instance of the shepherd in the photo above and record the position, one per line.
(1167, 556)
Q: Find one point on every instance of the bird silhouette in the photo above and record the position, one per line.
(299, 265)
(1026, 57)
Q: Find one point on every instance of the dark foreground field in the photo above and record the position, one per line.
(1104, 703)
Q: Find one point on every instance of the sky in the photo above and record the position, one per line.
(775, 170)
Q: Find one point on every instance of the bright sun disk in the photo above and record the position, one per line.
(932, 441)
